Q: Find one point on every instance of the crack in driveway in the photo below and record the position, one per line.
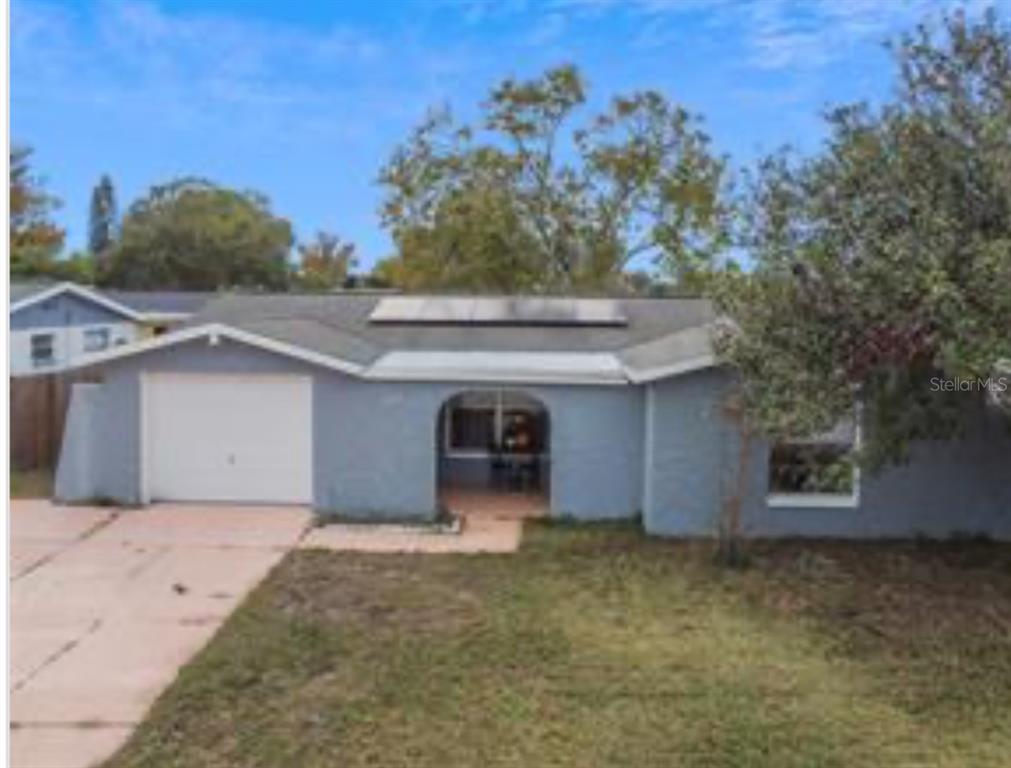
(59, 653)
(48, 558)
(102, 627)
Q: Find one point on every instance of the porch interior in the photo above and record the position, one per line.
(481, 503)
(494, 456)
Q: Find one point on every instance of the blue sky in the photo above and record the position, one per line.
(305, 99)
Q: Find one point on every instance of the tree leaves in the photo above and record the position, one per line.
(527, 202)
(325, 263)
(885, 260)
(102, 217)
(191, 234)
(34, 238)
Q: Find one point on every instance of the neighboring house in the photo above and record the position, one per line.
(55, 326)
(375, 406)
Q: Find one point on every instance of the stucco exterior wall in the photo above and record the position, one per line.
(377, 449)
(960, 487)
(75, 476)
(374, 443)
(664, 449)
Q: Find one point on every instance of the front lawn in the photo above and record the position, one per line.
(598, 647)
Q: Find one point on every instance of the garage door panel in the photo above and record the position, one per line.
(229, 438)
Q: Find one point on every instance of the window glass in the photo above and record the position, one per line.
(42, 349)
(812, 468)
(96, 339)
(492, 422)
(472, 429)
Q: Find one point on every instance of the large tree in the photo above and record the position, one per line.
(102, 217)
(34, 239)
(192, 234)
(531, 199)
(883, 263)
(324, 264)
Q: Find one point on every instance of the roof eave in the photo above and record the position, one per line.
(610, 374)
(80, 292)
(496, 377)
(647, 375)
(213, 332)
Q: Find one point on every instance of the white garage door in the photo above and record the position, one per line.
(228, 438)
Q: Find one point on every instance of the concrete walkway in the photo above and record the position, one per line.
(477, 536)
(106, 606)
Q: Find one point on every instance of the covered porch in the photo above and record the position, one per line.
(494, 458)
(477, 504)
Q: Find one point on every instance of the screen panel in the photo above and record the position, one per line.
(547, 311)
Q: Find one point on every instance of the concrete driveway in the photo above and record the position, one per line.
(107, 605)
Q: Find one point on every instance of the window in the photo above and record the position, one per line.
(817, 472)
(479, 424)
(42, 350)
(472, 429)
(96, 339)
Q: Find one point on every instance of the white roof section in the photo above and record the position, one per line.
(501, 367)
(501, 310)
(82, 293)
(671, 355)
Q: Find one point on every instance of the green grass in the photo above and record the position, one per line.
(598, 647)
(31, 484)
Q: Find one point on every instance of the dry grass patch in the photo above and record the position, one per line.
(31, 484)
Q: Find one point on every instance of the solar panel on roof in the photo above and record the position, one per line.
(397, 308)
(489, 310)
(444, 310)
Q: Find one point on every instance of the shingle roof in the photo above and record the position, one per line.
(143, 302)
(25, 290)
(338, 325)
(168, 302)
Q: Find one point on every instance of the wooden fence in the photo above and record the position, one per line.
(38, 412)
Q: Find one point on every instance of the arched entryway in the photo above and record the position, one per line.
(494, 454)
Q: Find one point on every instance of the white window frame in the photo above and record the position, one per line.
(40, 362)
(499, 415)
(781, 500)
(90, 333)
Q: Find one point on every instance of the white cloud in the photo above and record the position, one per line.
(547, 30)
(188, 69)
(773, 34)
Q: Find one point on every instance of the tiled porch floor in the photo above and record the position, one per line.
(480, 504)
(492, 523)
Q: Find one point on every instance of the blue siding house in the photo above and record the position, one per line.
(380, 406)
(55, 326)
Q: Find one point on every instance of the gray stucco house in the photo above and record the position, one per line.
(373, 405)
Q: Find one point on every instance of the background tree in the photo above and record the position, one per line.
(34, 239)
(102, 217)
(885, 261)
(325, 263)
(191, 234)
(529, 201)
